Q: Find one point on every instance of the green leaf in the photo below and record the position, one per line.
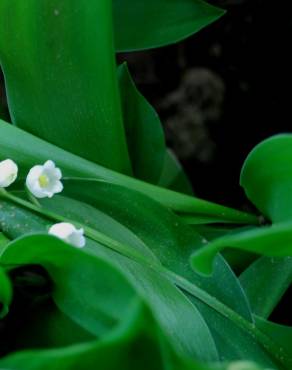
(75, 276)
(137, 343)
(27, 150)
(163, 232)
(279, 333)
(144, 132)
(221, 319)
(143, 25)
(172, 242)
(266, 177)
(173, 176)
(60, 76)
(258, 240)
(78, 211)
(79, 277)
(265, 282)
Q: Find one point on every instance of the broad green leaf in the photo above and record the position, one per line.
(258, 240)
(279, 333)
(144, 132)
(143, 25)
(79, 277)
(5, 293)
(234, 343)
(267, 179)
(84, 213)
(173, 176)
(60, 76)
(172, 242)
(163, 232)
(27, 150)
(221, 319)
(265, 282)
(238, 260)
(136, 343)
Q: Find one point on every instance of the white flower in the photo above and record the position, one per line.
(8, 173)
(44, 181)
(69, 233)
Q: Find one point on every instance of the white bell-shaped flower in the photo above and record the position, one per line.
(44, 180)
(68, 233)
(8, 173)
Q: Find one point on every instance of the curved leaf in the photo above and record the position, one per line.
(267, 179)
(144, 132)
(143, 25)
(137, 343)
(173, 176)
(265, 281)
(259, 240)
(280, 334)
(163, 232)
(220, 317)
(26, 150)
(79, 277)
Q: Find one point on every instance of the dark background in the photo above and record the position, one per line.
(221, 92)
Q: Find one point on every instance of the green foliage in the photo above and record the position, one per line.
(60, 76)
(143, 25)
(130, 298)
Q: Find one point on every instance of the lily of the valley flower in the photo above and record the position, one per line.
(68, 233)
(8, 173)
(44, 180)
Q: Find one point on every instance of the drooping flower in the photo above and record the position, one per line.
(44, 180)
(68, 233)
(8, 172)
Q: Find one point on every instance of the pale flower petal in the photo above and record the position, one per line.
(8, 173)
(44, 180)
(68, 233)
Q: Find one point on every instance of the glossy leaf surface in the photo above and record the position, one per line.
(259, 240)
(143, 25)
(265, 281)
(144, 132)
(267, 178)
(28, 150)
(60, 76)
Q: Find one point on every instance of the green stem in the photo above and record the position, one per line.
(182, 283)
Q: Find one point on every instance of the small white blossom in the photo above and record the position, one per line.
(68, 233)
(44, 181)
(8, 173)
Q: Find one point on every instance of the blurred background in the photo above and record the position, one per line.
(221, 92)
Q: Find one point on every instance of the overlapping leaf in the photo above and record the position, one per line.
(28, 150)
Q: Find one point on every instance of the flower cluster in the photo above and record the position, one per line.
(43, 181)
